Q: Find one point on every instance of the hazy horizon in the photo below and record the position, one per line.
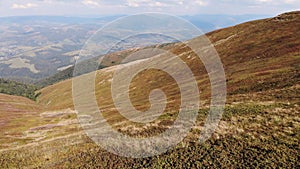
(100, 8)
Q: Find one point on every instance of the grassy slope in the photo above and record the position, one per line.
(258, 57)
(108, 60)
(15, 114)
(261, 60)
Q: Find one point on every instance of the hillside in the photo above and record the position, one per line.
(18, 89)
(228, 42)
(111, 59)
(258, 57)
(260, 126)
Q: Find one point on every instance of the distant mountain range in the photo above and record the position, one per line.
(35, 47)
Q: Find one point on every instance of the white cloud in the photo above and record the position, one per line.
(133, 3)
(201, 2)
(264, 1)
(91, 3)
(180, 2)
(277, 2)
(157, 4)
(289, 1)
(145, 3)
(23, 6)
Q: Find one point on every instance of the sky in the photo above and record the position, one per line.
(115, 7)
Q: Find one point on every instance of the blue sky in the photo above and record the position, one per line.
(175, 7)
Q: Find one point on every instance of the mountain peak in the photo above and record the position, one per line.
(289, 16)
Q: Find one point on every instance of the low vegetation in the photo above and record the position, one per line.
(18, 89)
(251, 134)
